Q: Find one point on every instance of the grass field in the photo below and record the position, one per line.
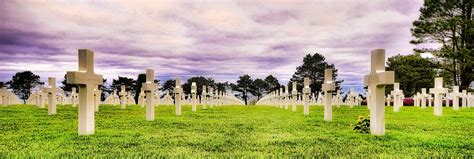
(234, 131)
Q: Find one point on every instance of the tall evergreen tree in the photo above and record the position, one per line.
(200, 81)
(244, 86)
(259, 88)
(313, 67)
(450, 24)
(272, 83)
(130, 84)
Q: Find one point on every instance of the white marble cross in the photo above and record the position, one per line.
(397, 97)
(51, 90)
(376, 82)
(41, 97)
(306, 92)
(141, 98)
(178, 91)
(423, 96)
(438, 91)
(86, 80)
(430, 100)
(328, 87)
(287, 96)
(389, 99)
(150, 87)
(455, 94)
(123, 96)
(3, 94)
(211, 97)
(204, 97)
(73, 96)
(352, 98)
(464, 98)
(294, 93)
(193, 96)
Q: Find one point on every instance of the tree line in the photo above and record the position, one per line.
(245, 88)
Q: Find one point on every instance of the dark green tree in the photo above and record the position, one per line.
(259, 88)
(23, 82)
(221, 86)
(449, 24)
(2, 84)
(272, 83)
(412, 72)
(140, 80)
(200, 81)
(244, 87)
(130, 84)
(168, 86)
(313, 67)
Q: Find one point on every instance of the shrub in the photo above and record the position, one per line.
(363, 125)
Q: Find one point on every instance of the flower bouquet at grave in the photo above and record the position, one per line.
(363, 124)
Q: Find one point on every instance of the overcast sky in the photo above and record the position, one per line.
(218, 39)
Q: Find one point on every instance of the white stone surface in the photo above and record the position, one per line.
(87, 80)
(328, 87)
(376, 82)
(438, 92)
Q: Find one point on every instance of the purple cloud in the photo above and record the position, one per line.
(219, 40)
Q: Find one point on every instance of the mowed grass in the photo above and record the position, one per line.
(233, 131)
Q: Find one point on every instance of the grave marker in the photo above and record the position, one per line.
(178, 92)
(150, 87)
(86, 80)
(51, 90)
(328, 87)
(376, 82)
(123, 96)
(438, 90)
(306, 92)
(294, 93)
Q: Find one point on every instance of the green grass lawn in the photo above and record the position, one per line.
(234, 131)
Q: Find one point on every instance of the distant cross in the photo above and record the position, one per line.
(397, 95)
(178, 92)
(52, 90)
(389, 99)
(376, 81)
(352, 99)
(438, 91)
(150, 87)
(211, 97)
(287, 96)
(306, 92)
(328, 87)
(141, 98)
(464, 98)
(193, 94)
(73, 96)
(281, 99)
(455, 94)
(204, 97)
(3, 94)
(423, 96)
(41, 97)
(294, 93)
(86, 80)
(123, 96)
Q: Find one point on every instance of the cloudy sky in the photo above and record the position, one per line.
(219, 39)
